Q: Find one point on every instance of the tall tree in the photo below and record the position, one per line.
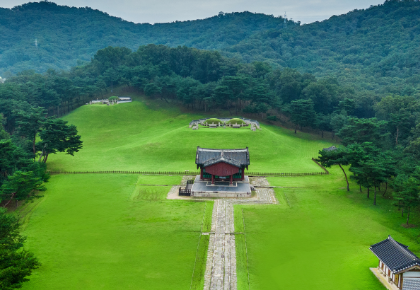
(363, 130)
(400, 112)
(57, 136)
(22, 185)
(302, 113)
(373, 172)
(30, 124)
(330, 156)
(406, 193)
(16, 264)
(357, 155)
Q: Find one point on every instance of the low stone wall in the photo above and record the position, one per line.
(220, 194)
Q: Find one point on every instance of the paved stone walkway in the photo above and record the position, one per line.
(221, 255)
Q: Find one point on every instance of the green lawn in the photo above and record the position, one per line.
(137, 136)
(115, 231)
(106, 232)
(318, 237)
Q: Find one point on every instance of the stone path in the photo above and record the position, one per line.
(221, 255)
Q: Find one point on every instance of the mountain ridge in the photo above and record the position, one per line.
(105, 30)
(373, 49)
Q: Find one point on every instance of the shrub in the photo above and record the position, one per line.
(213, 120)
(236, 121)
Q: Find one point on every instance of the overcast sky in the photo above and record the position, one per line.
(154, 11)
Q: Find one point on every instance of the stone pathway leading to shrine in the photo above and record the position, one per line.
(221, 255)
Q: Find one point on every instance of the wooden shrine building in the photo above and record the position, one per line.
(222, 164)
(397, 264)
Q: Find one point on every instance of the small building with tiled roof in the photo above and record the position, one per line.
(222, 164)
(332, 148)
(398, 264)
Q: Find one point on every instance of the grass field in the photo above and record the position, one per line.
(318, 237)
(137, 136)
(115, 231)
(107, 232)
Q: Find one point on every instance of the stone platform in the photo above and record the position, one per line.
(204, 188)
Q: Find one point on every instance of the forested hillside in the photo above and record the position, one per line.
(374, 50)
(68, 34)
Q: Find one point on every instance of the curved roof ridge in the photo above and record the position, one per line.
(404, 249)
(395, 255)
(236, 157)
(200, 148)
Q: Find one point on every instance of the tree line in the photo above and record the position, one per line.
(372, 50)
(383, 151)
(24, 151)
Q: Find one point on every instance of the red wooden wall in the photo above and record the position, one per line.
(222, 169)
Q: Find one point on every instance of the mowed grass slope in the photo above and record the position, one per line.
(141, 136)
(318, 237)
(116, 231)
(110, 232)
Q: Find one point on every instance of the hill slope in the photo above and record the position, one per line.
(154, 137)
(67, 34)
(374, 49)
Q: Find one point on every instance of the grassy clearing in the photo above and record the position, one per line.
(119, 231)
(319, 231)
(242, 272)
(106, 232)
(207, 217)
(143, 136)
(197, 282)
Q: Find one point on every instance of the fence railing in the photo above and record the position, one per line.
(186, 173)
(320, 165)
(184, 192)
(126, 172)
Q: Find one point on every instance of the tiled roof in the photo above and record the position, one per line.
(226, 120)
(394, 255)
(236, 157)
(222, 159)
(411, 284)
(332, 148)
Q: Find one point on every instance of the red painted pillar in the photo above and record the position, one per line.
(212, 179)
(201, 174)
(231, 179)
(243, 177)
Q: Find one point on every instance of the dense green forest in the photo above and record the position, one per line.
(66, 35)
(373, 50)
